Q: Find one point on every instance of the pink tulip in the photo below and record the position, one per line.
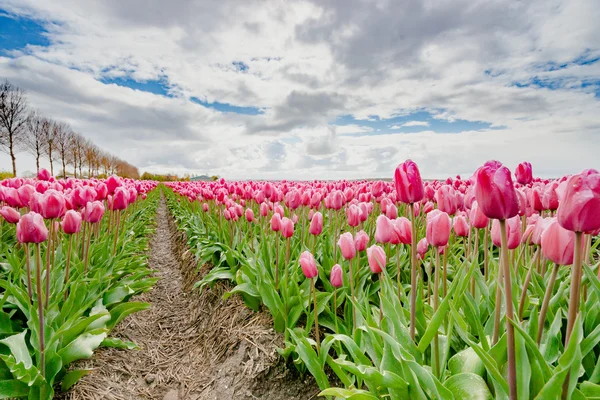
(120, 199)
(44, 175)
(93, 212)
(513, 232)
(275, 222)
(391, 211)
(71, 222)
(524, 173)
(579, 210)
(11, 215)
(361, 240)
(52, 204)
(308, 265)
(25, 193)
(495, 192)
(409, 186)
(264, 209)
(205, 207)
(538, 229)
(446, 199)
(287, 227)
(550, 197)
(347, 246)
(477, 218)
(438, 228)
(377, 258)
(31, 228)
(558, 244)
(337, 276)
(112, 183)
(422, 247)
(316, 224)
(403, 229)
(249, 215)
(383, 229)
(461, 227)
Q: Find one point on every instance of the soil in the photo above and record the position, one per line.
(193, 345)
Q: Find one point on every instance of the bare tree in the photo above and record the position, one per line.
(75, 148)
(35, 136)
(50, 145)
(13, 118)
(62, 141)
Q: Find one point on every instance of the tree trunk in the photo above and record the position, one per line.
(37, 162)
(12, 154)
(51, 163)
(64, 165)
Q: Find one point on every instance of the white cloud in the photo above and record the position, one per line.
(310, 62)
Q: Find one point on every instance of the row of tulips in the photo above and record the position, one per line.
(72, 256)
(412, 289)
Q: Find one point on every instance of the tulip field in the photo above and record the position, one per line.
(476, 288)
(484, 287)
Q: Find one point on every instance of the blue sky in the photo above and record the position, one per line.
(204, 87)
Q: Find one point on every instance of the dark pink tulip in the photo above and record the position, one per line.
(428, 207)
(409, 186)
(276, 222)
(31, 228)
(550, 197)
(316, 224)
(120, 199)
(11, 197)
(403, 229)
(101, 191)
(26, 192)
(347, 246)
(52, 204)
(287, 227)
(383, 229)
(11, 215)
(377, 188)
(308, 265)
(535, 199)
(377, 258)
(495, 192)
(513, 232)
(461, 227)
(205, 207)
(361, 240)
(337, 276)
(264, 209)
(438, 228)
(558, 244)
(93, 212)
(579, 210)
(44, 175)
(524, 173)
(249, 215)
(112, 183)
(71, 222)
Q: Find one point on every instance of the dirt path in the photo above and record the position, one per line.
(195, 347)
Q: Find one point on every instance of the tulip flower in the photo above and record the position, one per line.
(361, 240)
(524, 173)
(275, 222)
(93, 212)
(495, 192)
(316, 224)
(287, 227)
(11, 215)
(52, 204)
(249, 215)
(309, 269)
(31, 228)
(347, 246)
(336, 277)
(422, 248)
(438, 228)
(44, 175)
(579, 210)
(460, 225)
(513, 231)
(383, 229)
(446, 199)
(377, 258)
(71, 222)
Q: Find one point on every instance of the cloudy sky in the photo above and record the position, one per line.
(315, 89)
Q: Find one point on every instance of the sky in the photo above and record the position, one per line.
(314, 89)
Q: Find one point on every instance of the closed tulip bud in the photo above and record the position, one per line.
(11, 215)
(120, 199)
(422, 247)
(392, 211)
(527, 235)
(409, 186)
(25, 193)
(477, 218)
(438, 228)
(11, 197)
(535, 199)
(287, 227)
(361, 240)
(264, 209)
(205, 207)
(112, 183)
(347, 246)
(249, 215)
(383, 229)
(495, 192)
(461, 228)
(93, 212)
(377, 258)
(275, 222)
(524, 173)
(31, 229)
(337, 276)
(538, 229)
(44, 175)
(428, 207)
(308, 265)
(101, 191)
(579, 210)
(71, 222)
(513, 233)
(446, 199)
(558, 244)
(550, 197)
(52, 204)
(353, 215)
(403, 229)
(316, 224)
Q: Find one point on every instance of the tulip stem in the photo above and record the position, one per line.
(575, 287)
(398, 267)
(49, 250)
(486, 246)
(510, 330)
(413, 272)
(276, 262)
(353, 296)
(116, 232)
(436, 303)
(526, 285)
(28, 266)
(68, 266)
(314, 292)
(475, 254)
(498, 304)
(337, 329)
(42, 361)
(545, 303)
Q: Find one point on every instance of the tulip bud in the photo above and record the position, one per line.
(438, 228)
(579, 210)
(52, 204)
(361, 240)
(558, 244)
(336, 278)
(383, 229)
(308, 265)
(422, 247)
(275, 222)
(31, 228)
(377, 258)
(513, 233)
(495, 192)
(11, 215)
(461, 228)
(71, 222)
(524, 173)
(93, 212)
(249, 215)
(347, 246)
(316, 224)
(287, 227)
(409, 186)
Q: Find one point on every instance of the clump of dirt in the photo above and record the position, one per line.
(192, 346)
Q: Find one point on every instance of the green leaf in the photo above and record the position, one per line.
(310, 358)
(467, 386)
(82, 347)
(350, 394)
(72, 378)
(464, 361)
(119, 312)
(119, 344)
(12, 388)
